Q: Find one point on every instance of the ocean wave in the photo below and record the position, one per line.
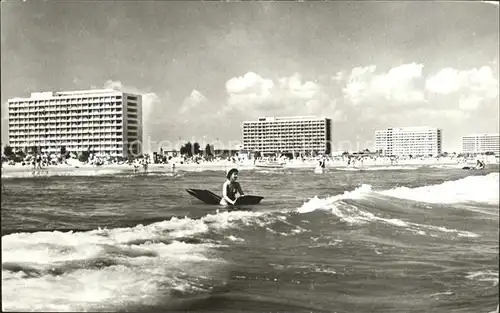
(109, 269)
(353, 215)
(483, 189)
(470, 189)
(105, 282)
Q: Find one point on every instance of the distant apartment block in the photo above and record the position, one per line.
(405, 141)
(481, 143)
(287, 134)
(104, 121)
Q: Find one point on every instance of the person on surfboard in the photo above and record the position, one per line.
(230, 188)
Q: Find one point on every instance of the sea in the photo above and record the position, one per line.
(393, 239)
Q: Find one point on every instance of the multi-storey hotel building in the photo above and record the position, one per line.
(481, 143)
(287, 134)
(103, 121)
(405, 141)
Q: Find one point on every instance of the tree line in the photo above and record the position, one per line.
(191, 149)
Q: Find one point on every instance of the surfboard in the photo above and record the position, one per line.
(248, 200)
(208, 197)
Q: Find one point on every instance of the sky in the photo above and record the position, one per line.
(204, 67)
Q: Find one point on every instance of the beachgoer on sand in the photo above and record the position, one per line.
(230, 188)
(322, 162)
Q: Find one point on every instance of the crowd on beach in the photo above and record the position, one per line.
(44, 160)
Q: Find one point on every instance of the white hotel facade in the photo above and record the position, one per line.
(104, 121)
(481, 143)
(287, 134)
(405, 141)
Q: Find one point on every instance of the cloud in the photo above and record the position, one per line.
(293, 87)
(250, 88)
(252, 95)
(399, 84)
(472, 87)
(455, 115)
(192, 102)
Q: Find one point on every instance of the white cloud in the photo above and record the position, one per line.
(294, 87)
(398, 84)
(469, 102)
(253, 95)
(454, 115)
(340, 76)
(192, 101)
(472, 86)
(250, 88)
(444, 82)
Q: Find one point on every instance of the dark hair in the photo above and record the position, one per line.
(231, 171)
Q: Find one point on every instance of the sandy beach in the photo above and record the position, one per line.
(16, 171)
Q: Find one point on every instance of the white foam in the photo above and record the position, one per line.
(316, 202)
(351, 214)
(482, 189)
(138, 264)
(135, 281)
(235, 239)
(487, 276)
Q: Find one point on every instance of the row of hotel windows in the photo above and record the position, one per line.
(74, 97)
(492, 140)
(73, 142)
(407, 147)
(72, 111)
(14, 135)
(284, 129)
(285, 122)
(416, 144)
(72, 119)
(272, 131)
(66, 120)
(70, 146)
(70, 124)
(67, 98)
(67, 106)
(427, 131)
(107, 133)
(290, 135)
(490, 144)
(66, 124)
(103, 114)
(246, 128)
(254, 123)
(72, 128)
(406, 136)
(283, 140)
(81, 121)
(77, 113)
(249, 146)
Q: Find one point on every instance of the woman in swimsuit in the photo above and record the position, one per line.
(230, 188)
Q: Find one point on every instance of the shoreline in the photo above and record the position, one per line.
(19, 171)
